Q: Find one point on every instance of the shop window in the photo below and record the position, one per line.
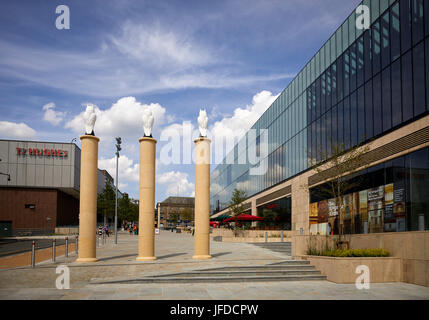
(390, 197)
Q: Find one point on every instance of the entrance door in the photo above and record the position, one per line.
(5, 228)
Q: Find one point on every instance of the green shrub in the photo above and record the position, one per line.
(350, 253)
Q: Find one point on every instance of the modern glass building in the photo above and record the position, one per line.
(362, 86)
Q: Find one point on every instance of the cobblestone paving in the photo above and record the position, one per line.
(174, 253)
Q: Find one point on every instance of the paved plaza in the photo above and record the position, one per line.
(174, 252)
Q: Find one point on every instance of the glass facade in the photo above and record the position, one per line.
(390, 197)
(276, 213)
(360, 85)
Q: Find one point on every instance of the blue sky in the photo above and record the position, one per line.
(231, 57)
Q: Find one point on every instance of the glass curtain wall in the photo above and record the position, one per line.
(360, 85)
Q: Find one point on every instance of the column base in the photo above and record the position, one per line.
(86, 260)
(202, 257)
(145, 258)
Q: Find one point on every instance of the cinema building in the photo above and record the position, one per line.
(365, 89)
(43, 191)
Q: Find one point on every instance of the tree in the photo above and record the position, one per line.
(342, 162)
(174, 217)
(127, 210)
(236, 203)
(106, 201)
(187, 214)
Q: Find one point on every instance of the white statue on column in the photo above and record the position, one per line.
(203, 121)
(89, 118)
(148, 120)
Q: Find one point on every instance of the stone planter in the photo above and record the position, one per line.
(343, 270)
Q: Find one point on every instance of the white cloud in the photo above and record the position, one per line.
(178, 183)
(241, 121)
(52, 116)
(159, 47)
(140, 59)
(123, 118)
(128, 171)
(14, 130)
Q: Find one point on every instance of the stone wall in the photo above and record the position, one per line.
(411, 247)
(343, 270)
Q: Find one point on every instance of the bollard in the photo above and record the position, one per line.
(266, 236)
(53, 250)
(76, 245)
(33, 254)
(67, 247)
(282, 235)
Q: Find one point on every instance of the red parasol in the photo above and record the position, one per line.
(244, 217)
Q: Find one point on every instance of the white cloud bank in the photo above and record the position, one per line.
(12, 130)
(128, 170)
(243, 118)
(123, 118)
(178, 183)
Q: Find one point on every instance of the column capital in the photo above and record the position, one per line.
(87, 136)
(147, 139)
(202, 139)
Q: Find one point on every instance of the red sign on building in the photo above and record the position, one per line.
(42, 152)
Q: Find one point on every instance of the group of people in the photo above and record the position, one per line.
(131, 227)
(103, 230)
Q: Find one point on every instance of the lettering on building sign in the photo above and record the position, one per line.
(42, 152)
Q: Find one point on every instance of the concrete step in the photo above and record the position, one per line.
(272, 243)
(287, 262)
(260, 268)
(229, 274)
(290, 262)
(228, 279)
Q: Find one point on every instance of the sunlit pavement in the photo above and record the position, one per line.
(174, 252)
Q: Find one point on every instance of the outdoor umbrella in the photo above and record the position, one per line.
(244, 217)
(220, 218)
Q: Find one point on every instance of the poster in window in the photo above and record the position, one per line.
(375, 207)
(399, 201)
(323, 211)
(388, 206)
(314, 210)
(348, 207)
(333, 208)
(363, 205)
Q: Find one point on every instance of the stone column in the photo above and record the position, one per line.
(88, 199)
(147, 200)
(202, 199)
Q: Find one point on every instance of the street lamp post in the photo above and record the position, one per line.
(118, 148)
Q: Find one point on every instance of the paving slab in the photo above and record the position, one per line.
(174, 252)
